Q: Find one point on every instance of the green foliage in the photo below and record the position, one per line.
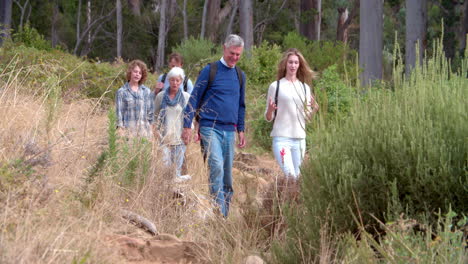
(333, 93)
(322, 54)
(53, 101)
(77, 78)
(197, 53)
(409, 246)
(261, 66)
(398, 150)
(257, 127)
(30, 37)
(13, 175)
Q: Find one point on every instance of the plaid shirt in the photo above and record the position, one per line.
(135, 110)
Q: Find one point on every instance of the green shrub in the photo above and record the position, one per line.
(197, 53)
(261, 66)
(333, 95)
(77, 77)
(322, 54)
(398, 151)
(31, 38)
(257, 127)
(402, 244)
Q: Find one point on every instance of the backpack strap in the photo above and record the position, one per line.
(163, 78)
(239, 76)
(305, 92)
(276, 98)
(185, 83)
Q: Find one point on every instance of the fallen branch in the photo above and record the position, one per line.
(139, 221)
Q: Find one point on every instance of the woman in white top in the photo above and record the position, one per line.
(290, 104)
(169, 109)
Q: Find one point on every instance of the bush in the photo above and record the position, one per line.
(322, 54)
(77, 77)
(400, 151)
(333, 95)
(262, 65)
(29, 37)
(197, 53)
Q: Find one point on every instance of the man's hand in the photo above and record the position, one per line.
(187, 135)
(242, 141)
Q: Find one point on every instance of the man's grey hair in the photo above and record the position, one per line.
(234, 40)
(176, 72)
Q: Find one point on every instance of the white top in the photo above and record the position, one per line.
(174, 120)
(292, 104)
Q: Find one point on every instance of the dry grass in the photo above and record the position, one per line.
(51, 214)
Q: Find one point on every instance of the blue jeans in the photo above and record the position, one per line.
(173, 155)
(289, 153)
(218, 147)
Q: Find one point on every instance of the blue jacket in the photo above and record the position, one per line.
(222, 105)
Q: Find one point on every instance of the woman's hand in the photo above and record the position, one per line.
(312, 108)
(271, 109)
(313, 104)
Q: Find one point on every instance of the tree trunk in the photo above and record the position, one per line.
(134, 6)
(184, 17)
(212, 20)
(344, 21)
(341, 29)
(371, 40)
(464, 27)
(231, 19)
(203, 24)
(23, 8)
(215, 16)
(246, 24)
(5, 19)
(119, 28)
(161, 36)
(311, 17)
(415, 32)
(55, 17)
(88, 21)
(78, 21)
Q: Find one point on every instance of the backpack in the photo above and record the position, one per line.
(213, 70)
(276, 96)
(163, 79)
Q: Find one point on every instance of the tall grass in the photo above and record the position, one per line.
(401, 151)
(65, 207)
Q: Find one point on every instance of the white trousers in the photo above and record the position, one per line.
(289, 153)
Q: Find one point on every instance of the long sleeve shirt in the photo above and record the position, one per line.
(135, 110)
(222, 105)
(292, 106)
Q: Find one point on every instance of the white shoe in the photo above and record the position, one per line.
(182, 178)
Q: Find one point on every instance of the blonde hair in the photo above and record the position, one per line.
(143, 68)
(304, 73)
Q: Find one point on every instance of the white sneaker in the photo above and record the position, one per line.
(182, 178)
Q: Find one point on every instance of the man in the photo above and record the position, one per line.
(175, 60)
(220, 103)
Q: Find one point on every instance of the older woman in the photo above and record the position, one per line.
(289, 104)
(169, 106)
(133, 103)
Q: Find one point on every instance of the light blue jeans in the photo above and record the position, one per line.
(289, 153)
(218, 147)
(173, 155)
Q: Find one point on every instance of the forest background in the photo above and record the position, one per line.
(386, 178)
